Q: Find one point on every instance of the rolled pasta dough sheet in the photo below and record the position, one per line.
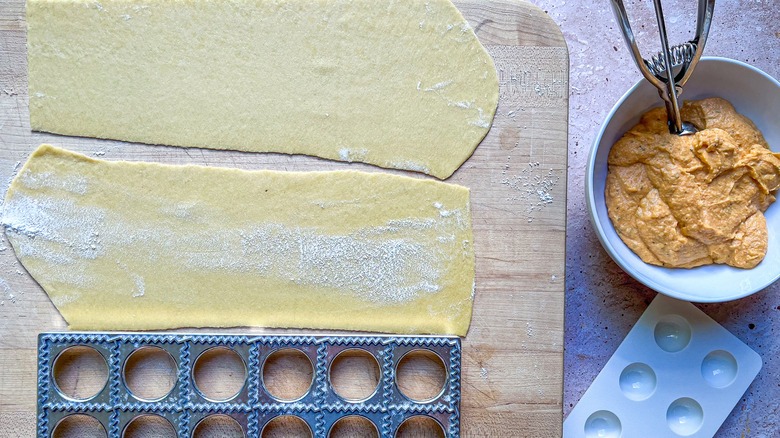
(131, 245)
(398, 84)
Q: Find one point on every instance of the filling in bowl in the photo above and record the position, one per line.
(686, 201)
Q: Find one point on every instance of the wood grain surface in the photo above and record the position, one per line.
(513, 354)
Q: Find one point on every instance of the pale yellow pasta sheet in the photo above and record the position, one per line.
(130, 245)
(399, 84)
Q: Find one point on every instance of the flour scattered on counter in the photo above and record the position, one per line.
(14, 171)
(7, 291)
(532, 186)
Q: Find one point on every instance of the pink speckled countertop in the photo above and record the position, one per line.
(602, 302)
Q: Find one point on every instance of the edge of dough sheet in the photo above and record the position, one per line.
(134, 245)
(403, 85)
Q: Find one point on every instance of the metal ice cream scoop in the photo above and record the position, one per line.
(682, 58)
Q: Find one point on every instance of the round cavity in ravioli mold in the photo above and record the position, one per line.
(149, 373)
(80, 372)
(287, 374)
(684, 416)
(420, 426)
(719, 369)
(218, 426)
(638, 381)
(354, 374)
(603, 424)
(353, 426)
(79, 426)
(219, 373)
(149, 425)
(421, 375)
(286, 426)
(672, 333)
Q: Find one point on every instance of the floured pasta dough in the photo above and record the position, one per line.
(121, 245)
(402, 85)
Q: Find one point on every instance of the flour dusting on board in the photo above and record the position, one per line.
(532, 186)
(382, 264)
(8, 293)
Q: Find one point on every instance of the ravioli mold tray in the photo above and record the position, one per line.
(677, 373)
(253, 407)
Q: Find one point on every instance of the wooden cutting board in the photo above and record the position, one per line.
(513, 355)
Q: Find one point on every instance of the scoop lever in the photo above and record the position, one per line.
(659, 70)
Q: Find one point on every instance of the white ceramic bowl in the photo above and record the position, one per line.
(755, 95)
